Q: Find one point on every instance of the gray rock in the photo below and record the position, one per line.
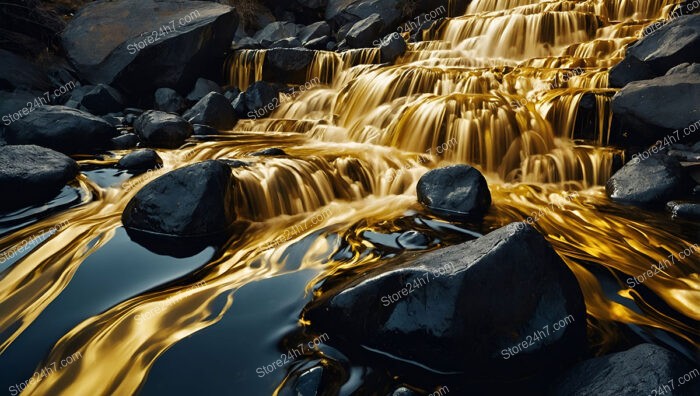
(314, 31)
(32, 175)
(318, 44)
(213, 110)
(458, 192)
(642, 370)
(276, 31)
(365, 32)
(202, 88)
(685, 68)
(289, 42)
(160, 129)
(684, 210)
(169, 100)
(196, 200)
(652, 180)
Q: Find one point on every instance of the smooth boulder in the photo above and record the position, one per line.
(31, 174)
(193, 201)
(131, 57)
(160, 129)
(450, 320)
(140, 160)
(646, 369)
(62, 129)
(213, 110)
(646, 181)
(457, 192)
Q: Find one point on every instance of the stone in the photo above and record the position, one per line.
(160, 129)
(458, 192)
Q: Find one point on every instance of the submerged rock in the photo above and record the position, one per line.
(642, 370)
(32, 175)
(140, 160)
(160, 129)
(193, 201)
(213, 110)
(439, 310)
(651, 180)
(458, 192)
(62, 129)
(105, 41)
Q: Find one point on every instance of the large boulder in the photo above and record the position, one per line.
(363, 33)
(140, 161)
(193, 201)
(31, 174)
(646, 369)
(100, 100)
(146, 44)
(664, 46)
(457, 192)
(340, 12)
(261, 99)
(648, 110)
(439, 310)
(648, 180)
(287, 65)
(16, 73)
(160, 129)
(314, 31)
(276, 31)
(62, 129)
(213, 110)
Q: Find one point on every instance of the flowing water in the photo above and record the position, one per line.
(498, 88)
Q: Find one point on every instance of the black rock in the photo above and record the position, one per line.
(287, 65)
(651, 180)
(246, 43)
(261, 98)
(685, 68)
(450, 312)
(213, 110)
(62, 129)
(16, 73)
(234, 163)
(32, 175)
(641, 121)
(192, 201)
(365, 32)
(160, 129)
(403, 391)
(170, 101)
(102, 99)
(314, 31)
(318, 44)
(240, 107)
(341, 12)
(458, 192)
(684, 210)
(642, 370)
(137, 63)
(391, 47)
(232, 93)
(140, 160)
(204, 130)
(269, 152)
(666, 46)
(114, 120)
(290, 42)
(125, 142)
(202, 88)
(685, 156)
(276, 31)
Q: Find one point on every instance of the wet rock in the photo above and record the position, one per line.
(656, 179)
(202, 88)
(261, 98)
(240, 107)
(32, 175)
(290, 42)
(664, 47)
(641, 121)
(102, 99)
(391, 47)
(213, 110)
(642, 370)
(125, 142)
(62, 129)
(246, 43)
(232, 93)
(276, 31)
(192, 201)
(235, 163)
(365, 32)
(314, 378)
(684, 210)
(114, 120)
(269, 152)
(685, 68)
(17, 73)
(160, 129)
(318, 44)
(204, 130)
(314, 31)
(139, 64)
(170, 101)
(685, 156)
(458, 192)
(140, 160)
(450, 311)
(403, 391)
(344, 11)
(287, 65)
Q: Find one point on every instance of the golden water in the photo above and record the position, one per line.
(358, 143)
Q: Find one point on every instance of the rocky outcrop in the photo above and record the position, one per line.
(438, 308)
(160, 129)
(646, 369)
(196, 200)
(648, 180)
(458, 192)
(184, 40)
(62, 129)
(32, 175)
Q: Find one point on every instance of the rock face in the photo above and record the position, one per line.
(160, 129)
(648, 110)
(664, 47)
(213, 110)
(440, 308)
(196, 200)
(31, 174)
(458, 192)
(140, 160)
(182, 38)
(62, 129)
(656, 179)
(642, 370)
